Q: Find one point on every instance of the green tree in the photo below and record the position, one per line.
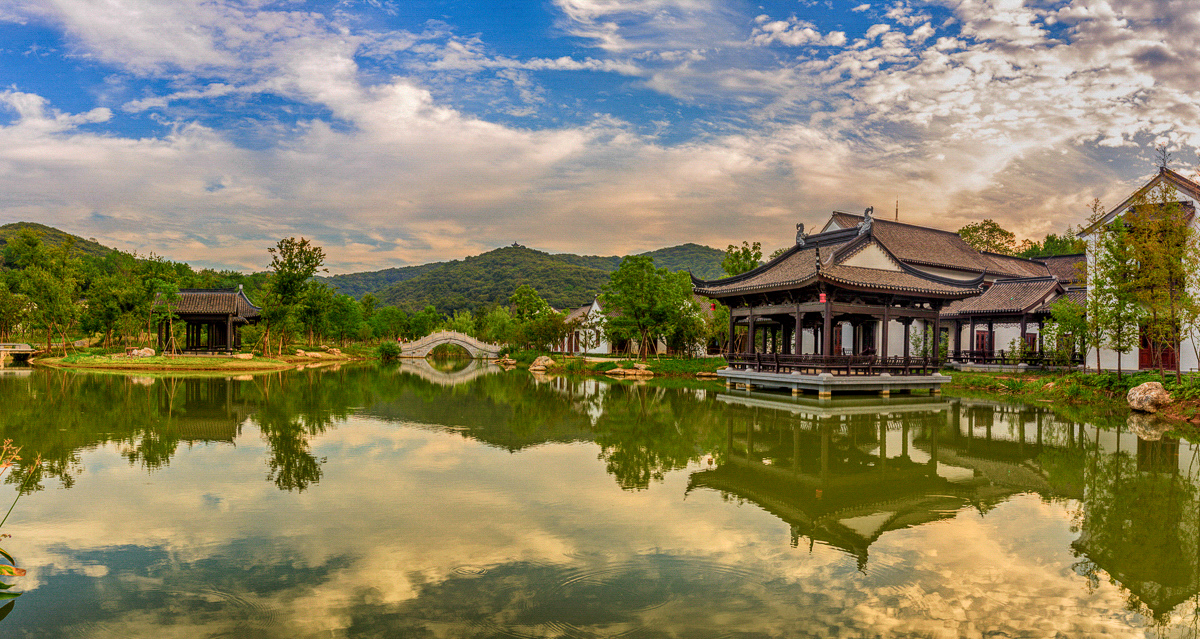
(390, 322)
(741, 259)
(293, 262)
(13, 307)
(1163, 245)
(646, 304)
(989, 236)
(1113, 274)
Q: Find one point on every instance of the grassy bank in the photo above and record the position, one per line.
(1102, 391)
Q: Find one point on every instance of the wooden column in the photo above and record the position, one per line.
(732, 333)
(907, 321)
(937, 336)
(991, 338)
(798, 335)
(958, 338)
(1024, 325)
(883, 339)
(827, 330)
(971, 337)
(750, 333)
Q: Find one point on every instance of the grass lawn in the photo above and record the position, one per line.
(167, 363)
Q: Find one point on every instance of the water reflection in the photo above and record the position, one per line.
(507, 504)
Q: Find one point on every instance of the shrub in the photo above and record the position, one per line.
(388, 350)
(604, 367)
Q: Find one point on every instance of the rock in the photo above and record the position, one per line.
(243, 355)
(543, 361)
(537, 369)
(83, 343)
(142, 352)
(706, 375)
(1048, 386)
(1148, 427)
(1148, 397)
(334, 351)
(641, 367)
(300, 353)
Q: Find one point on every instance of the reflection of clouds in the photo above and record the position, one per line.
(430, 531)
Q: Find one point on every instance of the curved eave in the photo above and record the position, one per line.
(856, 286)
(762, 288)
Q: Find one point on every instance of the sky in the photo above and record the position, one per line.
(403, 132)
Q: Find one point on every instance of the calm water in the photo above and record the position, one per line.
(454, 501)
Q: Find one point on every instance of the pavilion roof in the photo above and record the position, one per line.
(1182, 185)
(216, 301)
(934, 247)
(1025, 295)
(1064, 267)
(822, 258)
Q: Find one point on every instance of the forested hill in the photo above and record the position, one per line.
(563, 279)
(359, 284)
(52, 237)
(492, 277)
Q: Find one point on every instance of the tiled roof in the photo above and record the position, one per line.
(1077, 295)
(1006, 296)
(800, 268)
(1064, 266)
(579, 313)
(230, 301)
(935, 247)
(892, 280)
(793, 269)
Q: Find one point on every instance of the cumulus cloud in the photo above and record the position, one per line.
(407, 145)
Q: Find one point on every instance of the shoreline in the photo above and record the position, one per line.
(186, 363)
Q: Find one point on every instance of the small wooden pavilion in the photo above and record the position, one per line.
(213, 317)
(794, 307)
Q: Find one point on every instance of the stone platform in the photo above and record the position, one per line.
(825, 384)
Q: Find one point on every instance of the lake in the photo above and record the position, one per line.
(458, 501)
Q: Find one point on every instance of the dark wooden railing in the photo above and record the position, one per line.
(836, 364)
(1032, 358)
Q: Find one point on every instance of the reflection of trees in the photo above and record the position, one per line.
(1140, 526)
(645, 431)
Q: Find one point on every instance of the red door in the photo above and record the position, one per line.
(1146, 353)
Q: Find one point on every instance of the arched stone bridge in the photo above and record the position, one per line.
(477, 349)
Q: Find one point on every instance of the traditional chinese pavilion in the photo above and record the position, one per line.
(797, 307)
(213, 317)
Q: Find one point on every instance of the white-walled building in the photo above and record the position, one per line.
(1188, 197)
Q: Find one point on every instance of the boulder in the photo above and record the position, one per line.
(543, 361)
(1148, 397)
(537, 369)
(641, 367)
(334, 351)
(243, 355)
(142, 352)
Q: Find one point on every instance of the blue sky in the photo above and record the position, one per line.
(399, 133)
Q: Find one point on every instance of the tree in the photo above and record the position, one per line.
(293, 263)
(13, 307)
(527, 304)
(989, 236)
(390, 322)
(1163, 246)
(1097, 306)
(740, 260)
(1112, 284)
(645, 303)
(1066, 244)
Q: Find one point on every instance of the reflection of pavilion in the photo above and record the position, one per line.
(844, 473)
(203, 408)
(423, 369)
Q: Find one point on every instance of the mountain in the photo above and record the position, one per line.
(564, 280)
(359, 284)
(52, 237)
(492, 277)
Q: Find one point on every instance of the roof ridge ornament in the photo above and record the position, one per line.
(864, 226)
(800, 234)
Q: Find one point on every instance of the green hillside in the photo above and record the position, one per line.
(52, 237)
(492, 277)
(564, 280)
(359, 284)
